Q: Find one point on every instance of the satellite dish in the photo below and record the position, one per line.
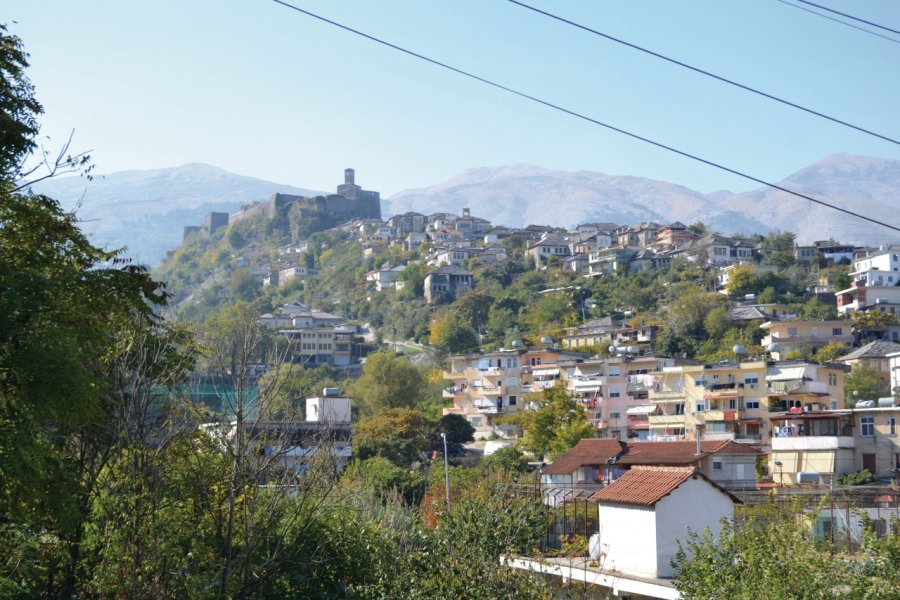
(518, 344)
(613, 349)
(546, 341)
(739, 349)
(633, 349)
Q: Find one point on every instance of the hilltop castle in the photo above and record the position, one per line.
(350, 202)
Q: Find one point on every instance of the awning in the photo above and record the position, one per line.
(641, 410)
(545, 372)
(785, 373)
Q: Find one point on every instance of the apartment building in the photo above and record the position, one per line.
(738, 400)
(615, 393)
(484, 385)
(784, 337)
(814, 447)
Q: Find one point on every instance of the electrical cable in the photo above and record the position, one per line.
(704, 72)
(578, 115)
(857, 27)
(825, 8)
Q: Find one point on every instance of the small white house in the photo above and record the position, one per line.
(645, 513)
(328, 409)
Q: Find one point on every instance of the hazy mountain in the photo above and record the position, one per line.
(523, 194)
(866, 185)
(146, 211)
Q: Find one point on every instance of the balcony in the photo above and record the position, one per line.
(485, 406)
(454, 375)
(666, 421)
(490, 390)
(454, 391)
(798, 387)
(666, 394)
(813, 442)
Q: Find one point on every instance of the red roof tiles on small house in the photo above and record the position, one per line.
(644, 486)
(591, 451)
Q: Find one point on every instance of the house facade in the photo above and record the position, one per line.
(784, 337)
(447, 282)
(644, 514)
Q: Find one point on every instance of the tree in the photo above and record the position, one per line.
(388, 381)
(554, 424)
(397, 434)
(816, 310)
(743, 281)
(863, 383)
(19, 109)
(449, 335)
(831, 351)
(457, 428)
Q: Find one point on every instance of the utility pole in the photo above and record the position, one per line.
(446, 472)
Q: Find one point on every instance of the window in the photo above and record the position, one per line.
(832, 379)
(717, 464)
(732, 403)
(892, 425)
(614, 394)
(512, 400)
(614, 415)
(867, 426)
(679, 408)
(752, 403)
(837, 331)
(701, 407)
(536, 361)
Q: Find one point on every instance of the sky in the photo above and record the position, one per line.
(255, 88)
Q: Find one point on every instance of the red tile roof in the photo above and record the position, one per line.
(598, 450)
(645, 486)
(591, 451)
(679, 452)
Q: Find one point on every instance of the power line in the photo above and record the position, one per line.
(704, 72)
(825, 8)
(857, 27)
(581, 116)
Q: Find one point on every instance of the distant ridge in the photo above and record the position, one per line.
(521, 194)
(146, 211)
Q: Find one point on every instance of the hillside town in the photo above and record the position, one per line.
(310, 399)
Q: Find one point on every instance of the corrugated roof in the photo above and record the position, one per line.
(644, 486)
(591, 451)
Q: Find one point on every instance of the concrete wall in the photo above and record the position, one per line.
(694, 506)
(628, 539)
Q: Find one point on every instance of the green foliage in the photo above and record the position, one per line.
(743, 281)
(773, 553)
(863, 383)
(831, 351)
(388, 381)
(814, 309)
(450, 335)
(861, 477)
(381, 475)
(397, 434)
(19, 109)
(509, 460)
(555, 425)
(457, 428)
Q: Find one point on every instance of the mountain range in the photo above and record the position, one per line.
(147, 210)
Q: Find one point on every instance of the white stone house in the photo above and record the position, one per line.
(646, 512)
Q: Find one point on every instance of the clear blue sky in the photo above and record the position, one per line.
(260, 90)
